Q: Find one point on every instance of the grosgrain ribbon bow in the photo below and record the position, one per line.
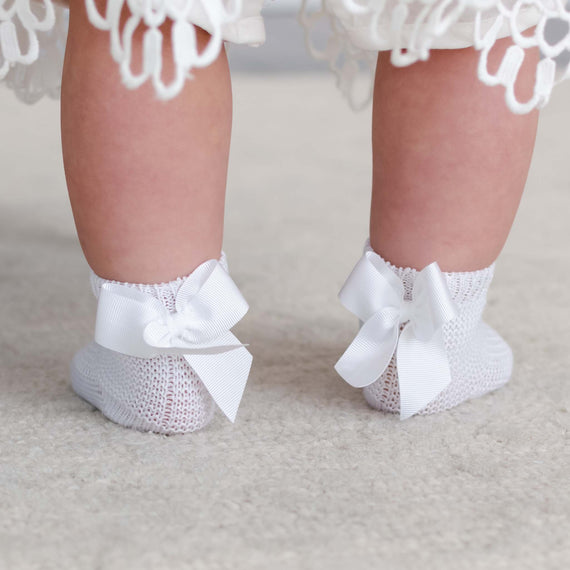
(207, 306)
(375, 294)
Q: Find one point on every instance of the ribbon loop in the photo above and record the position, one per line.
(375, 294)
(207, 306)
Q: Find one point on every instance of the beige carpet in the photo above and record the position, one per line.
(309, 476)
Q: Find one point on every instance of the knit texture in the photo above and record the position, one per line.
(160, 394)
(479, 358)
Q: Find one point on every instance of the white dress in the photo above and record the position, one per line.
(33, 36)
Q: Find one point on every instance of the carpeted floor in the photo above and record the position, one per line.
(309, 477)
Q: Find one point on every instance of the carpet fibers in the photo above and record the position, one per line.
(309, 477)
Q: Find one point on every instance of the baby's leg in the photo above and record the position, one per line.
(146, 178)
(450, 165)
(147, 184)
(450, 160)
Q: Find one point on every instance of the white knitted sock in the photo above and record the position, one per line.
(160, 394)
(480, 360)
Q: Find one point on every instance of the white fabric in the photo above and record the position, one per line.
(479, 359)
(164, 393)
(207, 306)
(33, 33)
(376, 296)
(410, 29)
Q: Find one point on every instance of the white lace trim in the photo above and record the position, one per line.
(32, 46)
(25, 23)
(358, 28)
(212, 14)
(411, 28)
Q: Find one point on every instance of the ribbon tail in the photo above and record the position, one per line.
(423, 371)
(370, 352)
(224, 375)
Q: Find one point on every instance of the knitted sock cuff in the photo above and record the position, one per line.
(464, 286)
(165, 292)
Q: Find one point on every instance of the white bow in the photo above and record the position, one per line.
(207, 305)
(375, 294)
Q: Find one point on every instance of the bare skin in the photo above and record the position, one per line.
(450, 160)
(146, 178)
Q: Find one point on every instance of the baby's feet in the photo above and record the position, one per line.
(477, 358)
(164, 355)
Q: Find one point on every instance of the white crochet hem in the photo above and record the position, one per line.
(33, 36)
(410, 29)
